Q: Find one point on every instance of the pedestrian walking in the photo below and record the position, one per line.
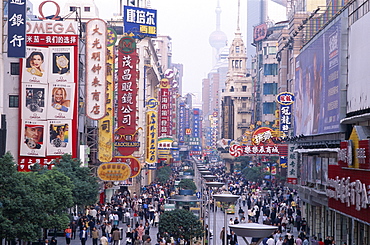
(83, 236)
(68, 234)
(95, 236)
(104, 240)
(116, 236)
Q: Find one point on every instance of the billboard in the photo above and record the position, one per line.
(48, 83)
(141, 22)
(164, 108)
(152, 131)
(317, 85)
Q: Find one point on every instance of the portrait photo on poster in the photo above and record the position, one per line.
(61, 96)
(34, 66)
(61, 65)
(34, 101)
(59, 138)
(33, 136)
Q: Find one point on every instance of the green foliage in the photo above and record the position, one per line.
(31, 201)
(163, 174)
(187, 184)
(180, 222)
(85, 186)
(255, 174)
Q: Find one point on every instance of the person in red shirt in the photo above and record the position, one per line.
(68, 234)
(320, 242)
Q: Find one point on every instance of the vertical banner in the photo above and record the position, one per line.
(151, 132)
(105, 125)
(285, 99)
(126, 131)
(17, 28)
(292, 165)
(96, 45)
(181, 135)
(164, 108)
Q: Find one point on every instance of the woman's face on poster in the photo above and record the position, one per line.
(58, 96)
(36, 61)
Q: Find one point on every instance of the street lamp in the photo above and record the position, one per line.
(226, 198)
(212, 185)
(253, 230)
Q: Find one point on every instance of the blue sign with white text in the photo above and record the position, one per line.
(17, 28)
(141, 22)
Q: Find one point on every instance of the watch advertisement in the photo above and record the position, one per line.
(32, 138)
(61, 100)
(34, 66)
(34, 101)
(59, 138)
(61, 66)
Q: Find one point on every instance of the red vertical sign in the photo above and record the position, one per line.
(126, 131)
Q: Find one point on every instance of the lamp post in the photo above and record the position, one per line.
(212, 185)
(225, 198)
(253, 230)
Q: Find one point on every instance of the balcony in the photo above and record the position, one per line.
(244, 110)
(243, 125)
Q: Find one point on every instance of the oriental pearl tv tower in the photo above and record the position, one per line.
(218, 38)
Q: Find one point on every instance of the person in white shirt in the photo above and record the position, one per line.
(280, 241)
(270, 241)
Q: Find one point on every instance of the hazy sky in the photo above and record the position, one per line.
(189, 23)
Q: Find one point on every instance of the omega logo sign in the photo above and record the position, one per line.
(55, 17)
(352, 193)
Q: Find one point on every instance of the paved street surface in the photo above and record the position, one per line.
(154, 230)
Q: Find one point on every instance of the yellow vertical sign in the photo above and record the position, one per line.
(152, 131)
(105, 125)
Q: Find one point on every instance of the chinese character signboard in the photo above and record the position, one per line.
(285, 99)
(260, 32)
(140, 21)
(242, 150)
(181, 135)
(48, 93)
(152, 131)
(17, 28)
(96, 47)
(130, 161)
(126, 132)
(105, 124)
(114, 171)
(292, 165)
(164, 108)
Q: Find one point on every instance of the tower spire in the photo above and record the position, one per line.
(218, 16)
(238, 27)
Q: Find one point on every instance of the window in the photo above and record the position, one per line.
(14, 68)
(244, 88)
(244, 105)
(269, 108)
(72, 8)
(265, 51)
(232, 89)
(13, 101)
(272, 49)
(270, 69)
(87, 9)
(237, 49)
(269, 88)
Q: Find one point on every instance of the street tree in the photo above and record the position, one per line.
(85, 186)
(163, 174)
(180, 222)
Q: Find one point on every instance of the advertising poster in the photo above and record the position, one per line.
(34, 101)
(61, 101)
(59, 140)
(317, 92)
(34, 66)
(61, 66)
(33, 138)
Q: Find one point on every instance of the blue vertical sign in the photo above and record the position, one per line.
(182, 124)
(285, 99)
(17, 28)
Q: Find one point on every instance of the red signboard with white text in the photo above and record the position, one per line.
(126, 133)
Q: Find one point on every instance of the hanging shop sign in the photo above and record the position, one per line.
(164, 108)
(96, 47)
(105, 125)
(242, 150)
(17, 28)
(262, 135)
(114, 171)
(131, 161)
(126, 133)
(152, 131)
(141, 22)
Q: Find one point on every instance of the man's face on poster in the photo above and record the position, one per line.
(34, 132)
